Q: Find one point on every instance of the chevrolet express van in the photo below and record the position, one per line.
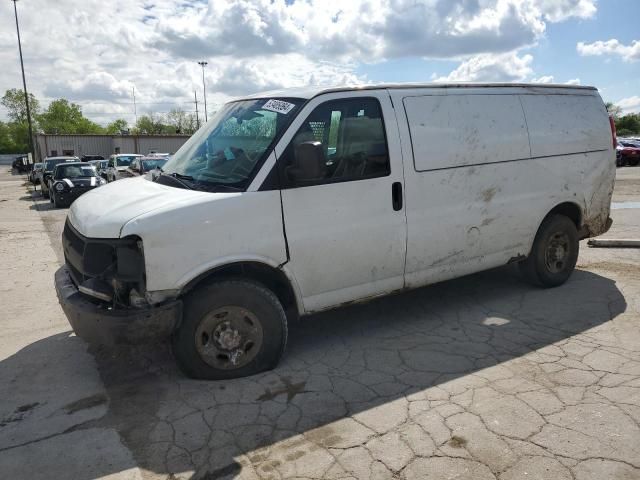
(299, 201)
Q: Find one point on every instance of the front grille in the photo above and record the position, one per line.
(73, 245)
(89, 257)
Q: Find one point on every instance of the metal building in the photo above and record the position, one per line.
(105, 145)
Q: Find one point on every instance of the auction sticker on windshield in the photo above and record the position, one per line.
(278, 106)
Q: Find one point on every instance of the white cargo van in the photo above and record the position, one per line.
(304, 200)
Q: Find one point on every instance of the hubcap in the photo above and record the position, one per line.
(557, 253)
(229, 337)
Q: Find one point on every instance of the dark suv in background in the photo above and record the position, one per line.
(47, 171)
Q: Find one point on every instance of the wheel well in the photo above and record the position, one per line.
(272, 278)
(570, 210)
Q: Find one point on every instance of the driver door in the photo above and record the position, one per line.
(343, 207)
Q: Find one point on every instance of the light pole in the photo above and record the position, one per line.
(24, 82)
(204, 89)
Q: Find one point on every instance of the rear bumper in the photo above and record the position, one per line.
(101, 325)
(590, 230)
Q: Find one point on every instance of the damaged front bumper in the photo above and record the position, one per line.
(99, 324)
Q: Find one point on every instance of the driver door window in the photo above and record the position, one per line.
(341, 140)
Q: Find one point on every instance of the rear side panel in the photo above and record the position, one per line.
(479, 192)
(572, 132)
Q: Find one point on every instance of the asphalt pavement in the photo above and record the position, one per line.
(482, 377)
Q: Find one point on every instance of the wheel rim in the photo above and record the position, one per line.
(557, 252)
(229, 337)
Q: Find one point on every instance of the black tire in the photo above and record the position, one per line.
(554, 253)
(199, 307)
(634, 162)
(56, 203)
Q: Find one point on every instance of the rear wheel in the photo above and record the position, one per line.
(554, 253)
(230, 329)
(634, 162)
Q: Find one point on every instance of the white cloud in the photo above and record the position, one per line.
(96, 52)
(543, 79)
(573, 81)
(629, 104)
(559, 10)
(505, 67)
(629, 53)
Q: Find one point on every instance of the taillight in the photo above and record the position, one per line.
(612, 123)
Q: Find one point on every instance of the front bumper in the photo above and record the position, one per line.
(98, 324)
(69, 196)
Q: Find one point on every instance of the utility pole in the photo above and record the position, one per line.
(24, 81)
(135, 108)
(204, 89)
(195, 96)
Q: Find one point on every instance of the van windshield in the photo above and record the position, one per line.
(228, 150)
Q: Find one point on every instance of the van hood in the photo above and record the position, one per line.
(103, 212)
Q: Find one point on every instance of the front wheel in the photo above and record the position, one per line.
(554, 253)
(230, 329)
(56, 203)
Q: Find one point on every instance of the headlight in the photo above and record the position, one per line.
(59, 187)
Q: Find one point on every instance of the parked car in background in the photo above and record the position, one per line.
(88, 158)
(143, 165)
(47, 171)
(231, 242)
(627, 153)
(119, 163)
(101, 167)
(70, 180)
(21, 164)
(33, 174)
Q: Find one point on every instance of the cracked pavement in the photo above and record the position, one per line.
(482, 377)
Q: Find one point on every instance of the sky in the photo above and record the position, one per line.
(97, 53)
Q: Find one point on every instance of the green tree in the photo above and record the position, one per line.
(117, 126)
(628, 125)
(614, 110)
(62, 116)
(13, 101)
(152, 124)
(6, 140)
(181, 121)
(15, 132)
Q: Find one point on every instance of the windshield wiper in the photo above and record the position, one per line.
(177, 177)
(181, 177)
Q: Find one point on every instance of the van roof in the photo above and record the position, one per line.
(312, 91)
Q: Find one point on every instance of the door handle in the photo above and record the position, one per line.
(396, 195)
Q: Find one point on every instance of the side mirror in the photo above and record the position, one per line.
(310, 163)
